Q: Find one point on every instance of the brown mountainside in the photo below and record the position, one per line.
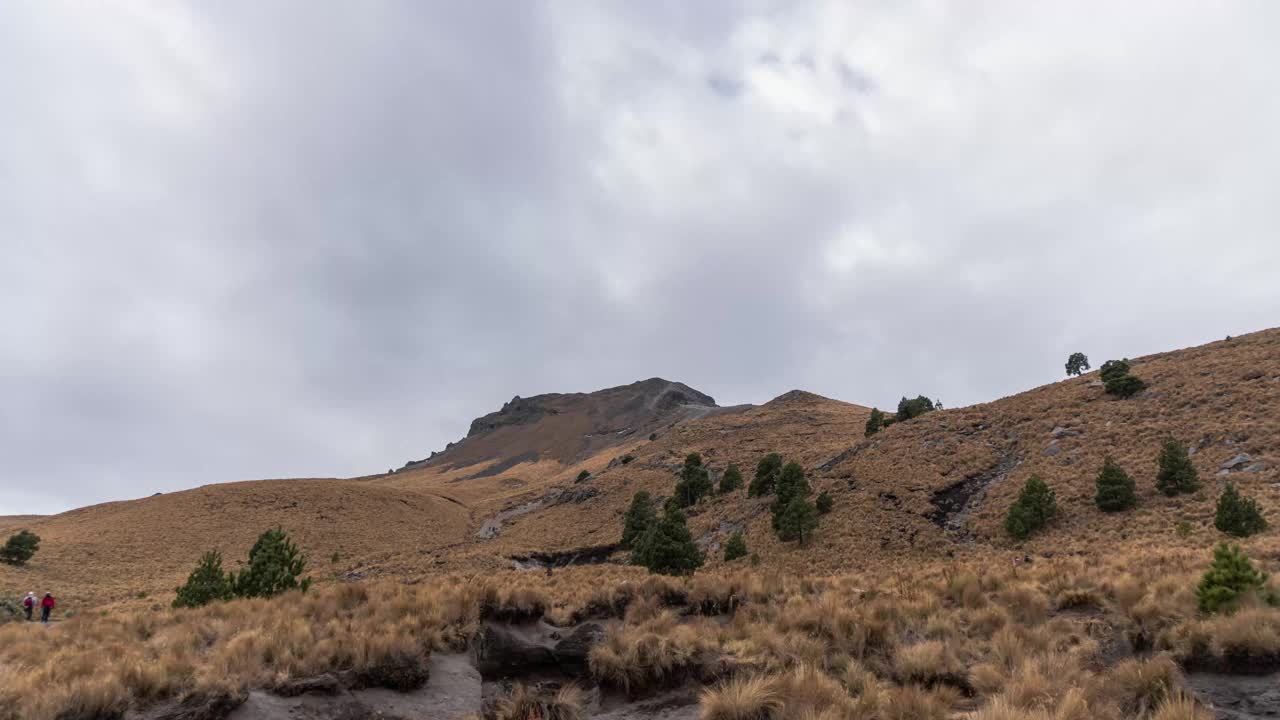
(933, 487)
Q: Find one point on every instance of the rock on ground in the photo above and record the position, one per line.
(451, 693)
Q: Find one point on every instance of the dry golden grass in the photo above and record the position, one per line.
(1221, 397)
(942, 639)
(524, 704)
(894, 619)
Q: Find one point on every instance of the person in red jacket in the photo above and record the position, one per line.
(46, 607)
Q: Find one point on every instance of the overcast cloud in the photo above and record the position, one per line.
(271, 239)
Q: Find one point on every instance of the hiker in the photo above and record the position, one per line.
(29, 604)
(46, 607)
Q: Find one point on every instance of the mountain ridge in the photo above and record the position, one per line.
(933, 487)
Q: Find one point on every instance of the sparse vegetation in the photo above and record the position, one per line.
(791, 483)
(641, 516)
(735, 547)
(1115, 488)
(627, 459)
(206, 584)
(1229, 580)
(798, 520)
(667, 547)
(275, 566)
(694, 484)
(909, 409)
(19, 548)
(526, 704)
(875, 422)
(799, 647)
(1177, 476)
(1036, 506)
(1117, 380)
(1237, 514)
(1077, 364)
(767, 471)
(824, 504)
(731, 480)
(583, 476)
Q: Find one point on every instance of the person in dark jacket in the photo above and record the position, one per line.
(46, 607)
(29, 604)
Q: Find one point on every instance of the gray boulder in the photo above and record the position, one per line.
(503, 650)
(1237, 462)
(571, 652)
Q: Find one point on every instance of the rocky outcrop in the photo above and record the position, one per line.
(571, 653)
(517, 411)
(566, 427)
(507, 651)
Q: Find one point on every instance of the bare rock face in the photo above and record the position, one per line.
(568, 426)
(504, 650)
(571, 653)
(517, 411)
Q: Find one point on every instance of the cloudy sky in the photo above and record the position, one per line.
(271, 239)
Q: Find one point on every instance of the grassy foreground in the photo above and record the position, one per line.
(974, 639)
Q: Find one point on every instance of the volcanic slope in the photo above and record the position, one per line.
(940, 485)
(933, 487)
(136, 549)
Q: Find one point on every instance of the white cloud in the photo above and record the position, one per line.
(248, 240)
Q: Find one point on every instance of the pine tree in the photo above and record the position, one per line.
(640, 517)
(1237, 514)
(1124, 386)
(1117, 380)
(874, 423)
(1177, 475)
(1230, 577)
(274, 567)
(908, 409)
(735, 548)
(205, 584)
(1036, 506)
(19, 548)
(731, 480)
(1077, 364)
(791, 484)
(798, 521)
(1113, 369)
(1115, 488)
(695, 482)
(766, 475)
(667, 547)
(823, 503)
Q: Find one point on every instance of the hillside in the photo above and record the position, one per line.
(112, 552)
(567, 427)
(934, 487)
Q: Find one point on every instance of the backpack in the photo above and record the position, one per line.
(27, 602)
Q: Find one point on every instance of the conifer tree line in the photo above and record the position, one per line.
(1236, 514)
(275, 566)
(661, 541)
(907, 410)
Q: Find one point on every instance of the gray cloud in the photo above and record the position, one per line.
(252, 240)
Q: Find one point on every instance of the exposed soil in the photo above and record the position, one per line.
(951, 503)
(592, 555)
